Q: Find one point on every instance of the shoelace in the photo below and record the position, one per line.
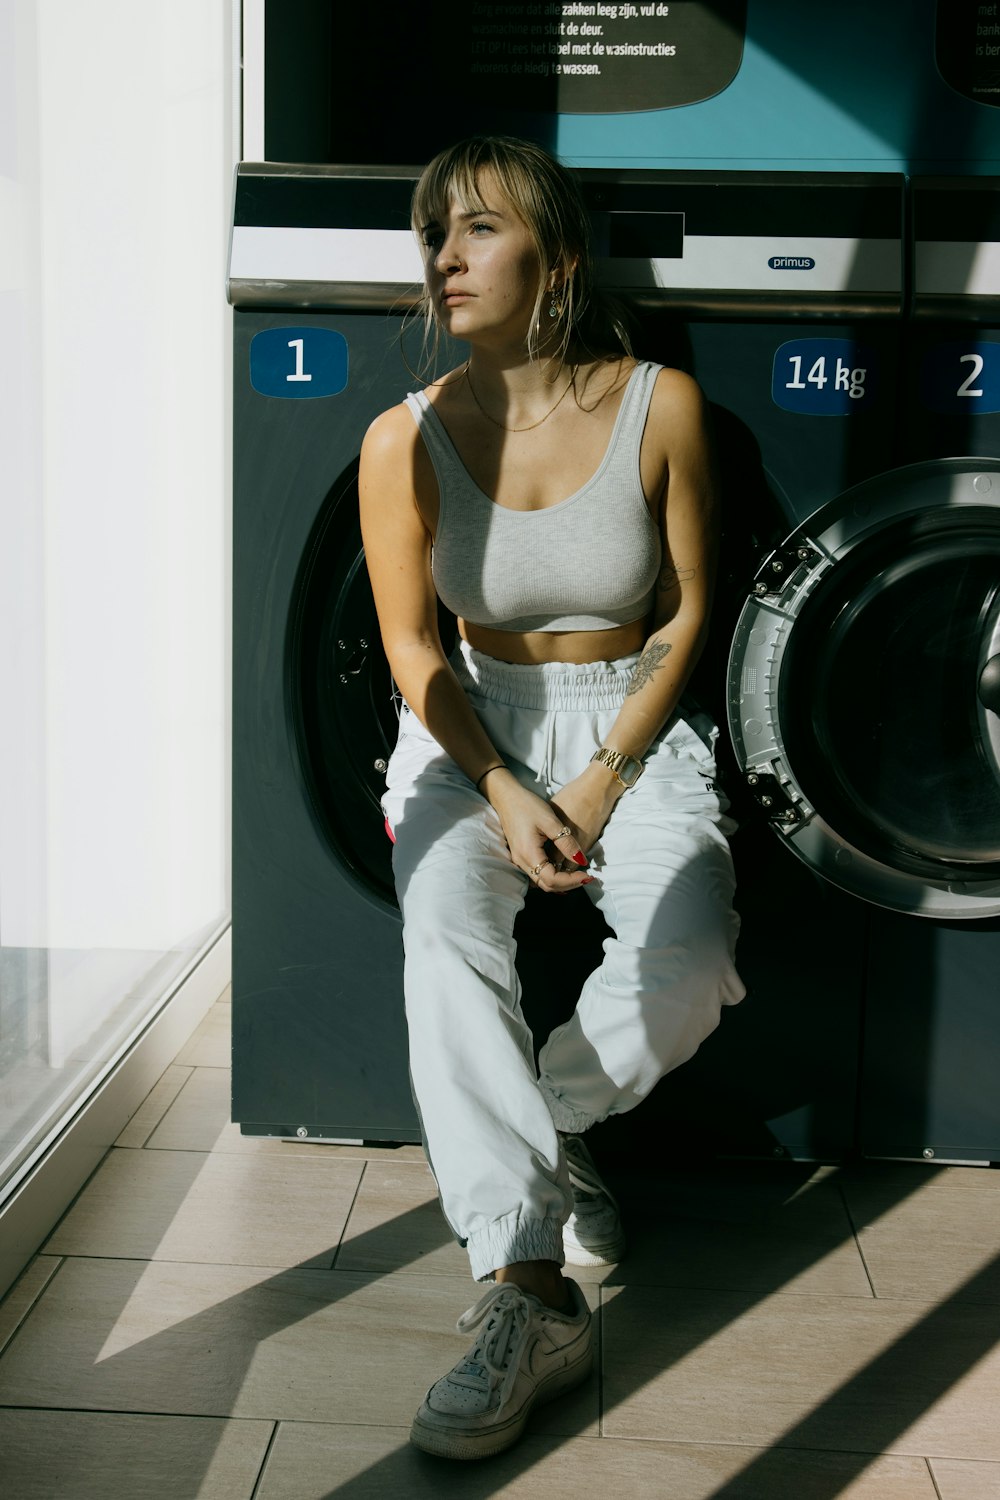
(507, 1314)
(584, 1178)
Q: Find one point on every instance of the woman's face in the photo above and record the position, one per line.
(482, 270)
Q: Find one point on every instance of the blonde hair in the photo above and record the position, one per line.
(547, 199)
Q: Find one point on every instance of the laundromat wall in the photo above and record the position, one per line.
(864, 1030)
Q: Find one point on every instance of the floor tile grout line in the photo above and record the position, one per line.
(416, 1269)
(23, 1320)
(276, 1423)
(350, 1211)
(757, 1447)
(241, 1265)
(403, 1428)
(378, 1273)
(121, 1411)
(214, 1151)
(600, 1359)
(857, 1241)
(933, 1478)
(191, 1074)
(156, 1125)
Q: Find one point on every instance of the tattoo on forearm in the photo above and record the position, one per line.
(671, 578)
(652, 658)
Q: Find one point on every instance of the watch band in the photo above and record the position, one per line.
(626, 767)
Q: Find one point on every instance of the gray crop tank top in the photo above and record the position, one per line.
(588, 562)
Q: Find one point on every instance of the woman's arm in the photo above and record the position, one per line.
(676, 445)
(395, 472)
(398, 553)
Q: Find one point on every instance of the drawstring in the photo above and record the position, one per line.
(544, 773)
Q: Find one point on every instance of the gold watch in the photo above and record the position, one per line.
(625, 767)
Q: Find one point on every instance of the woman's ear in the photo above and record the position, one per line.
(562, 272)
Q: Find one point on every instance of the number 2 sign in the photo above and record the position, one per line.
(962, 377)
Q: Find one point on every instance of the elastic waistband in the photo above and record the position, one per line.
(595, 685)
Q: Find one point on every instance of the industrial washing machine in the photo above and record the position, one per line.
(932, 1043)
(319, 1046)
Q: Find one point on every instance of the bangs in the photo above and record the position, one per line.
(456, 174)
(443, 183)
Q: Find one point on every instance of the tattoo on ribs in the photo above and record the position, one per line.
(671, 577)
(653, 657)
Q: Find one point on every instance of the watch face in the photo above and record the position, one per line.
(629, 771)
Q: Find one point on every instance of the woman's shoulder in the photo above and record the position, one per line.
(670, 386)
(677, 391)
(394, 457)
(678, 421)
(392, 433)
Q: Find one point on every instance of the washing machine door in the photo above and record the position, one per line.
(864, 689)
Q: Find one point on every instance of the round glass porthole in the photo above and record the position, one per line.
(343, 703)
(864, 689)
(342, 700)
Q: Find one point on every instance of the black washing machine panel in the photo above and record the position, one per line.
(319, 1043)
(864, 689)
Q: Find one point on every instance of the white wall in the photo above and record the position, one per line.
(116, 153)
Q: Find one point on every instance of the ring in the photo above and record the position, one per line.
(563, 833)
(536, 870)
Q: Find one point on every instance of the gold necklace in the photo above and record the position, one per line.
(533, 425)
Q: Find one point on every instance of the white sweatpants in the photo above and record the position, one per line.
(664, 883)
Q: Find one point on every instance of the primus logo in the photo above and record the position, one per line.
(791, 263)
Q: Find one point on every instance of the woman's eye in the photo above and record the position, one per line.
(478, 225)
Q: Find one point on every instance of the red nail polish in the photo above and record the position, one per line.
(589, 880)
(581, 859)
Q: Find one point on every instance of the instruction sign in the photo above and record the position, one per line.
(408, 79)
(968, 48)
(609, 57)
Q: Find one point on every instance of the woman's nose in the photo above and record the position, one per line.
(448, 257)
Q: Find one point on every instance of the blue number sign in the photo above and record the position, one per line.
(962, 377)
(823, 377)
(298, 362)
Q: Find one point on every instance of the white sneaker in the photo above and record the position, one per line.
(592, 1235)
(525, 1353)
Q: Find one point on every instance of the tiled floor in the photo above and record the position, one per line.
(220, 1318)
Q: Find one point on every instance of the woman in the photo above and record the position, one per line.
(556, 494)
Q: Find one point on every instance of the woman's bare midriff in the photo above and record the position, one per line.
(529, 648)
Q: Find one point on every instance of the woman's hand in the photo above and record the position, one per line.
(552, 859)
(586, 803)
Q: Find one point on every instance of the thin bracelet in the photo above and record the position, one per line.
(498, 767)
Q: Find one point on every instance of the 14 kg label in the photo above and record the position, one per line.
(823, 377)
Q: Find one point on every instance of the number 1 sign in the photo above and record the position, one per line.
(293, 363)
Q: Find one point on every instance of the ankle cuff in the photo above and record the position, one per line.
(566, 1119)
(506, 1241)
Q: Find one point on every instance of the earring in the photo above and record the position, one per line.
(554, 308)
